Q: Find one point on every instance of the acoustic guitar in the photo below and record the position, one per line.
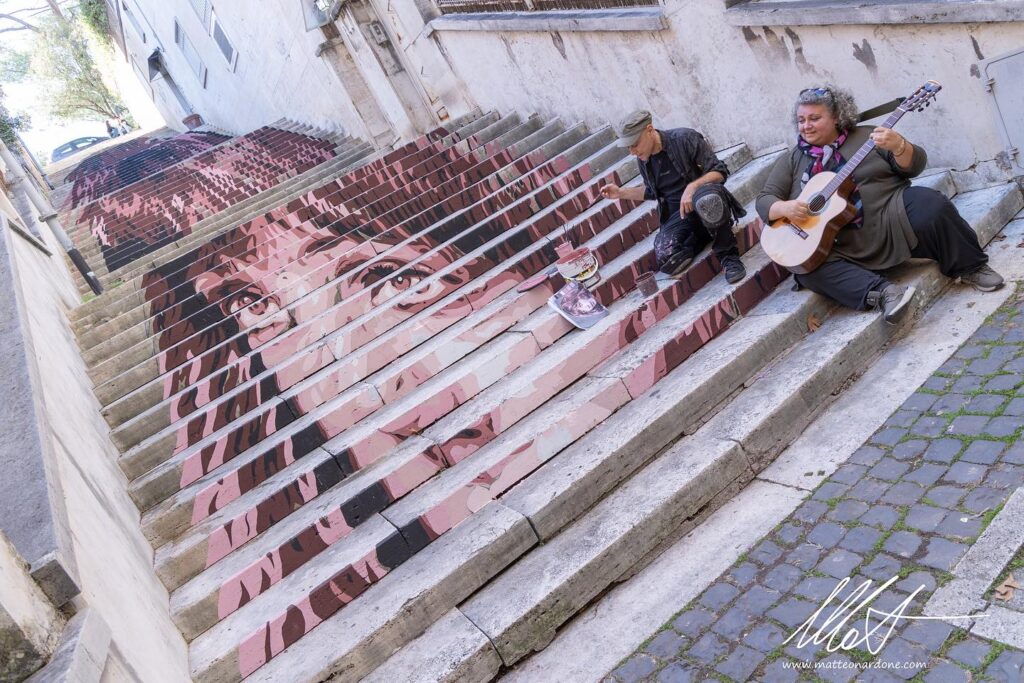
(803, 246)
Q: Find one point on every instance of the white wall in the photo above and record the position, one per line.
(737, 84)
(278, 74)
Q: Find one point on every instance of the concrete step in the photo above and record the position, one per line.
(520, 610)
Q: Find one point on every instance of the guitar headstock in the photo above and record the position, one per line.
(922, 97)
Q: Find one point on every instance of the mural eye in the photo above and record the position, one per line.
(250, 298)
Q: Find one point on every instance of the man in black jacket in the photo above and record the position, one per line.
(681, 171)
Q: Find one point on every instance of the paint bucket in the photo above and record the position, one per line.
(579, 265)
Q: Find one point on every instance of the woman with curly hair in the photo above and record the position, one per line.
(894, 221)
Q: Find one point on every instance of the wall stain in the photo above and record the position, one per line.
(798, 51)
(508, 49)
(556, 38)
(977, 48)
(864, 54)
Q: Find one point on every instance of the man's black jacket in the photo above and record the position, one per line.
(692, 156)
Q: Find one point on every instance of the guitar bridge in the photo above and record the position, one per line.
(800, 233)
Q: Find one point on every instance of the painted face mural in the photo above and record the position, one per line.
(165, 204)
(112, 169)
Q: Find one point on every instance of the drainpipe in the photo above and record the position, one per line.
(49, 216)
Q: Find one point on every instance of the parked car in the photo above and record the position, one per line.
(69, 148)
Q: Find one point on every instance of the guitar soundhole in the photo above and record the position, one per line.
(817, 203)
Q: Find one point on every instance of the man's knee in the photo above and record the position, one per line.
(712, 203)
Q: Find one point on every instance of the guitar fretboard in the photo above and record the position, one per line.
(850, 166)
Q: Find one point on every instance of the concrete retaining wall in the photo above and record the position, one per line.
(63, 503)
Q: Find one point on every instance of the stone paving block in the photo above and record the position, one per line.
(782, 577)
(889, 437)
(924, 517)
(1007, 667)
(789, 534)
(836, 673)
(903, 418)
(743, 575)
(903, 544)
(840, 563)
(1015, 406)
(945, 672)
(636, 668)
(810, 512)
(740, 664)
(1005, 425)
(765, 637)
(792, 612)
(985, 403)
(936, 384)
(983, 452)
(826, 534)
(868, 490)
(733, 623)
(888, 469)
(917, 580)
(778, 672)
(830, 490)
(970, 351)
(968, 425)
(718, 596)
(849, 474)
(964, 473)
(766, 554)
(942, 554)
(943, 450)
(966, 384)
(926, 474)
(899, 650)
(953, 366)
(860, 540)
(708, 648)
(881, 516)
(903, 493)
(1005, 477)
(847, 511)
(679, 673)
(945, 496)
(1003, 383)
(959, 526)
(949, 403)
(1015, 454)
(983, 498)
(666, 645)
(931, 633)
(881, 568)
(866, 455)
(757, 600)
(919, 401)
(815, 588)
(971, 653)
(804, 556)
(908, 450)
(693, 621)
(985, 366)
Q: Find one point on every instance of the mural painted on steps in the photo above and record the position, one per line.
(130, 162)
(147, 214)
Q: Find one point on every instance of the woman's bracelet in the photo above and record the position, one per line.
(903, 148)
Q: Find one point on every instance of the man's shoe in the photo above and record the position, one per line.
(895, 300)
(676, 264)
(733, 268)
(984, 279)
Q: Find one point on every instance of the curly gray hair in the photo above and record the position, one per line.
(838, 101)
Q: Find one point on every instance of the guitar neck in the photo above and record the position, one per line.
(850, 166)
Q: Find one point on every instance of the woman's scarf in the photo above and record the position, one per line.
(828, 158)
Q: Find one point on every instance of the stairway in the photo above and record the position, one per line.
(359, 451)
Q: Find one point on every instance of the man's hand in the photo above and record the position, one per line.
(686, 203)
(611, 192)
(795, 210)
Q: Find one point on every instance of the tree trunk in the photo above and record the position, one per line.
(56, 9)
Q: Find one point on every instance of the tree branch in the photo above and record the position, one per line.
(23, 24)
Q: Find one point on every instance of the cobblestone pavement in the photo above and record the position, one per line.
(908, 503)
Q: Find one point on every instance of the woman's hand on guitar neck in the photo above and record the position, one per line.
(794, 210)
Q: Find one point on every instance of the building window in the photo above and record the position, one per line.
(202, 9)
(190, 53)
(133, 21)
(223, 44)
